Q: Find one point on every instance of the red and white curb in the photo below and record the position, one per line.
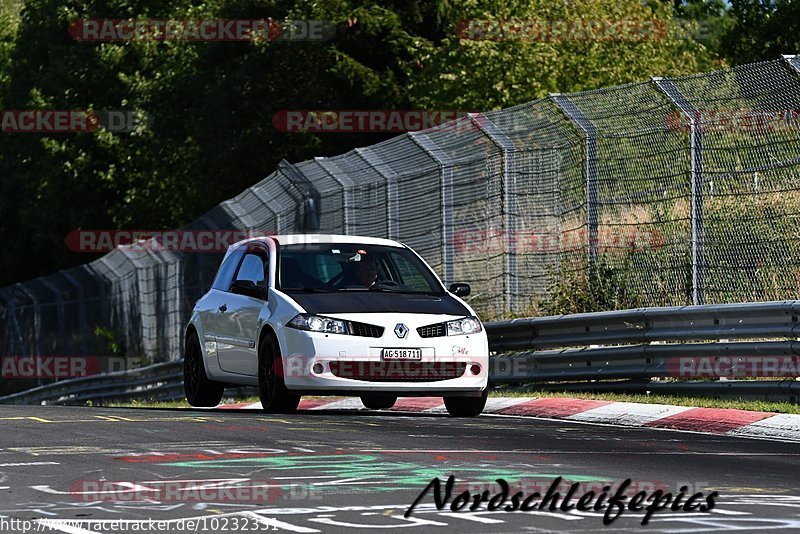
(783, 427)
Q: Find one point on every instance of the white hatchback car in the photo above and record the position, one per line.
(328, 314)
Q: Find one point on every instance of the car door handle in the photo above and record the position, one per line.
(223, 308)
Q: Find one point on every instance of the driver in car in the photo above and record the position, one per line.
(366, 271)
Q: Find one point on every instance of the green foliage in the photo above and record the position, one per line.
(707, 22)
(763, 30)
(486, 74)
(600, 287)
(115, 346)
(210, 105)
(9, 21)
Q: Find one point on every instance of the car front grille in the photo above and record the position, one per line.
(398, 371)
(365, 330)
(432, 330)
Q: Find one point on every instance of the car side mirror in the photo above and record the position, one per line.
(460, 290)
(248, 288)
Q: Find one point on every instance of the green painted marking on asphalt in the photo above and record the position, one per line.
(389, 476)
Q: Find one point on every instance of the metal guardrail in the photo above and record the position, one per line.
(628, 344)
(640, 343)
(162, 381)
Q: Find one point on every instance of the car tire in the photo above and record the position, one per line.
(465, 406)
(378, 402)
(198, 389)
(275, 398)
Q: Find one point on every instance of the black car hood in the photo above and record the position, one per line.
(377, 302)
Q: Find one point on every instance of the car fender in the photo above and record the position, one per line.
(207, 347)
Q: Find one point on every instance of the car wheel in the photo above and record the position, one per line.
(378, 402)
(275, 398)
(199, 390)
(465, 406)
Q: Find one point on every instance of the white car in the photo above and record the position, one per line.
(334, 315)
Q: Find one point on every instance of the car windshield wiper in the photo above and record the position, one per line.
(308, 289)
(386, 290)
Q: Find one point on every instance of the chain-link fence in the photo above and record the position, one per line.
(687, 189)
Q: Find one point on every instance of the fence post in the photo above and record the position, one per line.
(280, 223)
(589, 131)
(310, 197)
(390, 177)
(81, 310)
(61, 329)
(508, 208)
(696, 183)
(346, 183)
(793, 61)
(36, 346)
(446, 173)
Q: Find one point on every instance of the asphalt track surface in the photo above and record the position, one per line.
(124, 470)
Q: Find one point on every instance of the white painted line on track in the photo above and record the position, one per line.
(551, 451)
(344, 404)
(405, 521)
(628, 413)
(28, 464)
(472, 517)
(277, 524)
(64, 526)
(495, 404)
(779, 426)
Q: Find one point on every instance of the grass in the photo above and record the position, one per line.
(699, 402)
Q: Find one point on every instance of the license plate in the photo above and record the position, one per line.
(402, 354)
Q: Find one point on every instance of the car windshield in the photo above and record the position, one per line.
(333, 267)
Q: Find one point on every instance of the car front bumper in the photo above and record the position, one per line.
(332, 363)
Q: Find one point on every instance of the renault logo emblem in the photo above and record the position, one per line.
(401, 330)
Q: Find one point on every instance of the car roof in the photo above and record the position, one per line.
(298, 239)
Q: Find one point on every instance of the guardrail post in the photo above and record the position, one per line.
(309, 193)
(696, 183)
(591, 169)
(508, 211)
(346, 183)
(390, 177)
(446, 173)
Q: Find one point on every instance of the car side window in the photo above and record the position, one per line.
(222, 281)
(254, 267)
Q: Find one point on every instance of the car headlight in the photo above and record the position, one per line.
(467, 325)
(317, 323)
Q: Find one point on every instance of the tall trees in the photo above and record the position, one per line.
(209, 106)
(763, 30)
